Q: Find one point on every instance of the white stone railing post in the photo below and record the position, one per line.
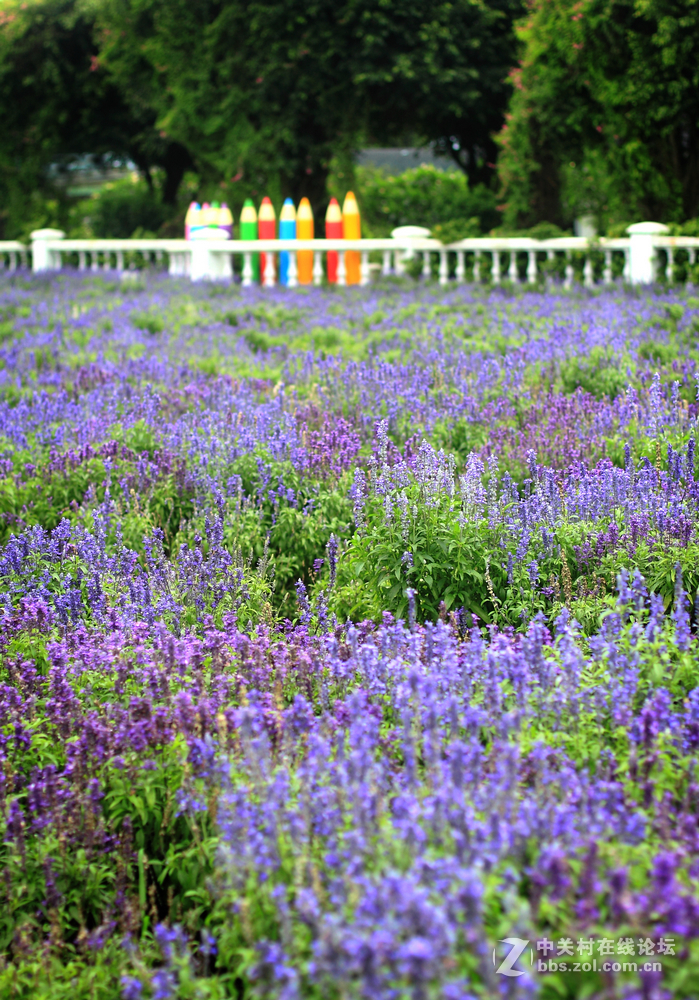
(202, 264)
(642, 251)
(401, 257)
(43, 258)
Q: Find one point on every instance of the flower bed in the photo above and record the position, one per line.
(346, 634)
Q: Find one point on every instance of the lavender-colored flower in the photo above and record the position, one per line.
(131, 988)
(332, 559)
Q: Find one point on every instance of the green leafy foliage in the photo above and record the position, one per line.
(605, 90)
(425, 196)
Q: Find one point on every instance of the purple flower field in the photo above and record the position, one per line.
(348, 642)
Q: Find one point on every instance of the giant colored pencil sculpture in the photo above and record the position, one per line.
(225, 221)
(333, 231)
(352, 229)
(191, 219)
(304, 231)
(248, 231)
(267, 230)
(205, 217)
(287, 231)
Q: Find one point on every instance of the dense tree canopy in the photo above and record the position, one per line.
(603, 116)
(269, 90)
(57, 101)
(605, 112)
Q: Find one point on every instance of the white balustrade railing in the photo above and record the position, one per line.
(636, 259)
(12, 255)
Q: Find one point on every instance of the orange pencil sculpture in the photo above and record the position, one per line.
(333, 231)
(266, 230)
(304, 231)
(352, 228)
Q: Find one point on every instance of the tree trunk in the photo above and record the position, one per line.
(546, 194)
(175, 163)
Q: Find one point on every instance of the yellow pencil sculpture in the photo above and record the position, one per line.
(304, 231)
(352, 229)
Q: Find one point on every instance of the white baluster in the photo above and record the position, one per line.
(81, 260)
(570, 274)
(443, 268)
(532, 271)
(692, 257)
(588, 272)
(159, 256)
(225, 267)
(120, 260)
(292, 273)
(550, 255)
(341, 269)
(477, 267)
(95, 264)
(107, 261)
(426, 265)
(496, 267)
(670, 270)
(23, 258)
(364, 272)
(607, 276)
(13, 261)
(317, 267)
(269, 271)
(247, 270)
(627, 265)
(512, 272)
(460, 267)
(386, 268)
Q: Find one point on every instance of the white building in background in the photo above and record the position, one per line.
(397, 161)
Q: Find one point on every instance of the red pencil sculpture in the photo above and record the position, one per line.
(266, 230)
(333, 231)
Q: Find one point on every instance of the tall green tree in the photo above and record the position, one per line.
(440, 71)
(266, 90)
(58, 102)
(604, 115)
